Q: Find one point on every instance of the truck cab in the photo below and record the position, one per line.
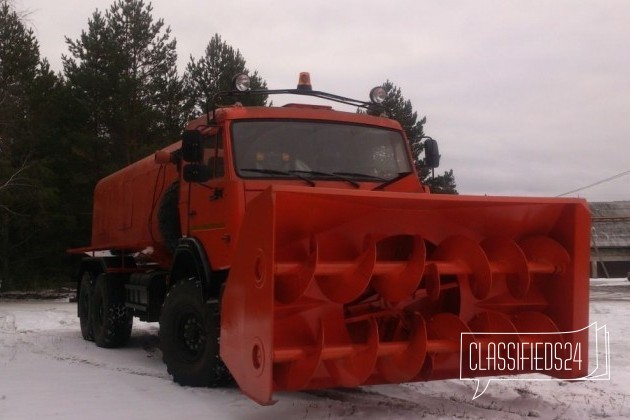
(243, 151)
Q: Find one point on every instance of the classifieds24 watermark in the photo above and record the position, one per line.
(558, 356)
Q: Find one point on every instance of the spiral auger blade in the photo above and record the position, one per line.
(444, 332)
(297, 356)
(348, 353)
(508, 259)
(462, 256)
(393, 277)
(396, 278)
(294, 278)
(402, 358)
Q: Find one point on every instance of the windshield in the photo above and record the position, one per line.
(277, 149)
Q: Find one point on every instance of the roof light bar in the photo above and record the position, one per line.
(241, 86)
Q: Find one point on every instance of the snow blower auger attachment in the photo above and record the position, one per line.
(341, 290)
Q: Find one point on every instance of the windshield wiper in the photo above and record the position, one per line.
(334, 175)
(283, 173)
(400, 176)
(360, 175)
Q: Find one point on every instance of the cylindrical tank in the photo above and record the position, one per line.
(127, 209)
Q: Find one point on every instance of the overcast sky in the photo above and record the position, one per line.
(525, 97)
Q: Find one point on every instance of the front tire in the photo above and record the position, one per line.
(111, 320)
(189, 336)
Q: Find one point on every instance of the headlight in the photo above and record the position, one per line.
(241, 82)
(378, 95)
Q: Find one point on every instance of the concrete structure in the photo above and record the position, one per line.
(610, 239)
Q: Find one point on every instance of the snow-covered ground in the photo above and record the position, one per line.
(47, 371)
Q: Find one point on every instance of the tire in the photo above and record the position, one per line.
(168, 217)
(189, 337)
(83, 304)
(111, 320)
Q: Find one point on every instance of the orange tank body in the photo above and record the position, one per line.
(126, 205)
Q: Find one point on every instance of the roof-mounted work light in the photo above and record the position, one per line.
(378, 95)
(241, 82)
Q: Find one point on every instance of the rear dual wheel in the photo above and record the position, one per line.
(103, 316)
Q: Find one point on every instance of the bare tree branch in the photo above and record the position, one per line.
(8, 210)
(15, 180)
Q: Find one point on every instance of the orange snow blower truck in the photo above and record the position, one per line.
(293, 248)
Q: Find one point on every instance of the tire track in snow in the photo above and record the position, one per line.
(371, 403)
(8, 330)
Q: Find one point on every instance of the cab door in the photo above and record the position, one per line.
(214, 207)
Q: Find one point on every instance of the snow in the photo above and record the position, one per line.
(48, 371)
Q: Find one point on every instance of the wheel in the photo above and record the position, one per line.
(189, 337)
(111, 320)
(83, 305)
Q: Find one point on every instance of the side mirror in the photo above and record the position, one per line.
(196, 172)
(431, 153)
(192, 148)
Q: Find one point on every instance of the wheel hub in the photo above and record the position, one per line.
(192, 334)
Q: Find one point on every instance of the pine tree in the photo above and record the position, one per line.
(19, 67)
(28, 193)
(213, 73)
(401, 110)
(123, 76)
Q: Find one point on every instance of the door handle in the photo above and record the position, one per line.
(217, 195)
